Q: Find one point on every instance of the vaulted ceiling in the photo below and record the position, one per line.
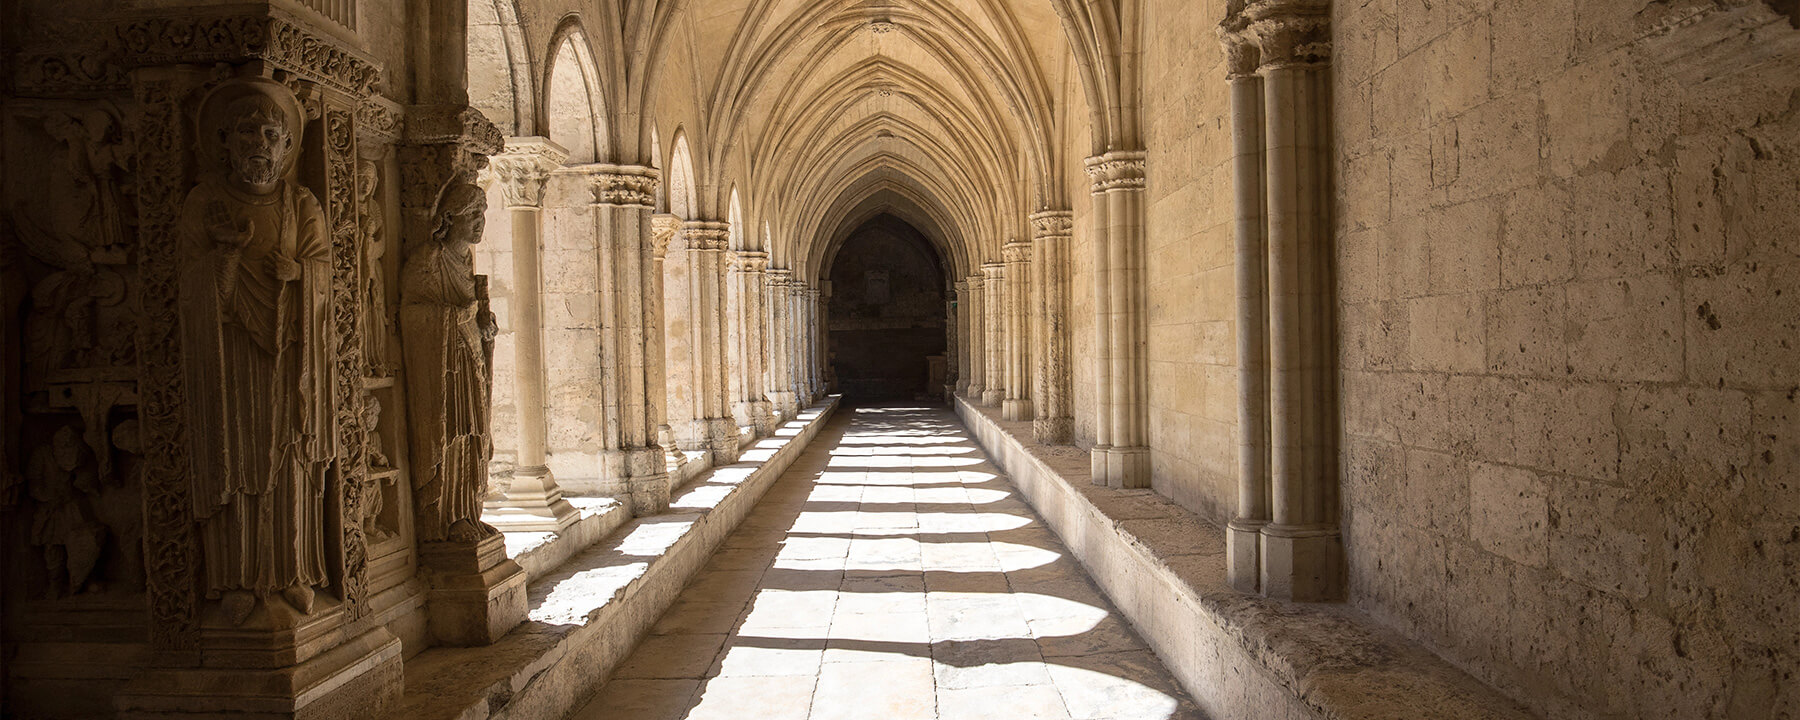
(819, 114)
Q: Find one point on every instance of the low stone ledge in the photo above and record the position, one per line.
(1239, 656)
(589, 612)
(540, 552)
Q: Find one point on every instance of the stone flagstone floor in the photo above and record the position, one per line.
(891, 574)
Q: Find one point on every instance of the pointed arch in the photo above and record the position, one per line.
(684, 199)
(574, 108)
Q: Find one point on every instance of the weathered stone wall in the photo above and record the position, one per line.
(1188, 211)
(1570, 297)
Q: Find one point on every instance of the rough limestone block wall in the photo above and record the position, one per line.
(678, 345)
(1569, 263)
(1192, 289)
(494, 258)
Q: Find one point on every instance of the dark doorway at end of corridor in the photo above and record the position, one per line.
(887, 314)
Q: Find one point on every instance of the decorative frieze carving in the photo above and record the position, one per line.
(1017, 251)
(379, 121)
(265, 34)
(1117, 170)
(752, 262)
(626, 185)
(171, 552)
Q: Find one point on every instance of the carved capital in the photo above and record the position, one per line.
(663, 227)
(779, 277)
(752, 262)
(1117, 170)
(1290, 33)
(626, 185)
(994, 271)
(706, 235)
(1017, 251)
(1052, 223)
(523, 169)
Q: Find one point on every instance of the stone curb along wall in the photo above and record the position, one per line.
(1237, 655)
(549, 666)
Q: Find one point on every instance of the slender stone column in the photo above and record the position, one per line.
(663, 227)
(1018, 331)
(623, 198)
(706, 243)
(798, 328)
(977, 311)
(960, 328)
(781, 389)
(753, 404)
(1121, 455)
(532, 502)
(815, 337)
(1244, 532)
(1303, 556)
(1054, 424)
(993, 384)
(1284, 541)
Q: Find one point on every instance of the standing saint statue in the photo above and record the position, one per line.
(446, 371)
(256, 332)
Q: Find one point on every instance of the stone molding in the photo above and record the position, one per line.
(1052, 223)
(379, 121)
(1116, 170)
(626, 185)
(523, 169)
(994, 271)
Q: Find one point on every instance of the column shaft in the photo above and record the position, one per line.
(532, 500)
(1018, 331)
(1054, 423)
(1244, 532)
(623, 198)
(977, 310)
(1122, 454)
(993, 384)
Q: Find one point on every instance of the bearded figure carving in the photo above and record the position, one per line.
(446, 371)
(256, 329)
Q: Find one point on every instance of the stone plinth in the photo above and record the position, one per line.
(477, 594)
(359, 678)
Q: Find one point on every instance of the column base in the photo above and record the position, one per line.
(645, 479)
(1053, 430)
(992, 397)
(1121, 467)
(477, 594)
(973, 392)
(1243, 554)
(531, 503)
(362, 677)
(1016, 409)
(1302, 564)
(721, 440)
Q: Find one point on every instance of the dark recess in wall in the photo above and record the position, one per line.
(887, 315)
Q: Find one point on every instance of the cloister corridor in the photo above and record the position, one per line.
(891, 573)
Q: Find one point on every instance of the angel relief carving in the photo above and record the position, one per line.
(255, 303)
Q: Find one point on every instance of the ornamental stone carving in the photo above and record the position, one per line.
(704, 235)
(525, 168)
(1277, 33)
(1017, 251)
(267, 34)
